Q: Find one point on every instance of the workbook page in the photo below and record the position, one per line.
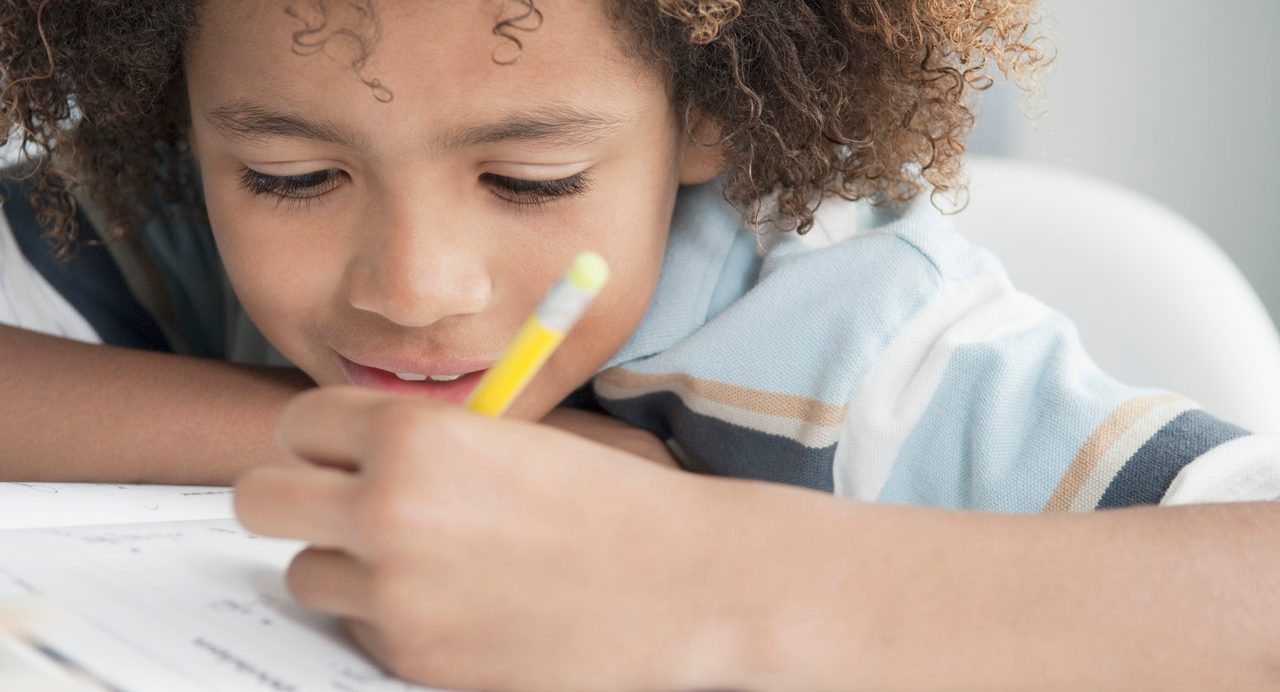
(179, 606)
(29, 505)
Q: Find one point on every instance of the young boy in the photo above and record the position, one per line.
(391, 188)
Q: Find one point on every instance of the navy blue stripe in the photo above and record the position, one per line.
(584, 399)
(1147, 474)
(89, 279)
(720, 448)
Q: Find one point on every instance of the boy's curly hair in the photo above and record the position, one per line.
(861, 98)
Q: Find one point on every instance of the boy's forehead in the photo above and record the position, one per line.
(468, 41)
(431, 57)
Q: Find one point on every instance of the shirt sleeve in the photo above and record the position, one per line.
(28, 301)
(85, 297)
(986, 399)
(164, 289)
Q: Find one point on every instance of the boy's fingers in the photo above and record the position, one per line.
(301, 503)
(369, 638)
(341, 426)
(330, 581)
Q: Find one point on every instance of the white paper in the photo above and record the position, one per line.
(180, 606)
(29, 505)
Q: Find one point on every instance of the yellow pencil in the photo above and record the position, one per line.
(540, 335)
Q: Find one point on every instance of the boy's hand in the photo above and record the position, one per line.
(612, 432)
(472, 552)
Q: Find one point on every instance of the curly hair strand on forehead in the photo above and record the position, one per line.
(865, 99)
(528, 18)
(316, 35)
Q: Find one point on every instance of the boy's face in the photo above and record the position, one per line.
(368, 238)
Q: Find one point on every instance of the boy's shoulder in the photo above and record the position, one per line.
(860, 266)
(886, 236)
(837, 294)
(710, 235)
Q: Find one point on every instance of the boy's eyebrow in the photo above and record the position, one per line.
(561, 124)
(253, 122)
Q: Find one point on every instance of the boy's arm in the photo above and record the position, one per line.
(71, 411)
(911, 598)
(612, 432)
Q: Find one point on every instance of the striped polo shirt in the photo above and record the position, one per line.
(883, 358)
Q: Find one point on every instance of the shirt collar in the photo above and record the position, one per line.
(703, 229)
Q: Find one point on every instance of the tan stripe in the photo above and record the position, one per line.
(1128, 444)
(796, 429)
(771, 403)
(1098, 444)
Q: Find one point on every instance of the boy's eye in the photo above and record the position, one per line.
(304, 186)
(534, 192)
(317, 183)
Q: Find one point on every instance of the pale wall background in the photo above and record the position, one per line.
(1177, 99)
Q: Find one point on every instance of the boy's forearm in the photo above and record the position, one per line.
(78, 412)
(909, 598)
(612, 432)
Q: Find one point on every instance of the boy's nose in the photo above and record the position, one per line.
(417, 278)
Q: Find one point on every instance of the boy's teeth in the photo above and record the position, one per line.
(415, 377)
(411, 376)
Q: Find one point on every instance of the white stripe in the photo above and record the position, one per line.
(907, 372)
(1125, 446)
(30, 301)
(803, 432)
(1243, 470)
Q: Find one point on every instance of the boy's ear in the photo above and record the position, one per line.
(702, 154)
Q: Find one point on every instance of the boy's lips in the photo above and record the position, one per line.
(384, 378)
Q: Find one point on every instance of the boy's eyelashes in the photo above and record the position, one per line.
(307, 186)
(304, 186)
(534, 192)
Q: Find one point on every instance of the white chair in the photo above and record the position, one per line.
(1156, 302)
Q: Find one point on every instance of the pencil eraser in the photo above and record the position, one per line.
(589, 272)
